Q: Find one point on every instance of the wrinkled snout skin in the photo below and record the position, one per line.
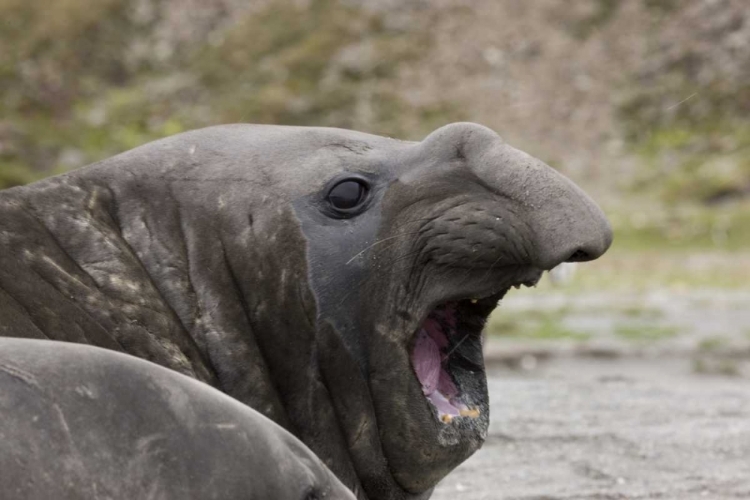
(217, 253)
(553, 220)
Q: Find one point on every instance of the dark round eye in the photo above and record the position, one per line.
(347, 194)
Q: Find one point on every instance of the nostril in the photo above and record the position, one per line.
(579, 256)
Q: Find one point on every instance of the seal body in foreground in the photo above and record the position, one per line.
(81, 422)
(335, 281)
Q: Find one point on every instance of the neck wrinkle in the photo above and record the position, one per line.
(119, 220)
(276, 409)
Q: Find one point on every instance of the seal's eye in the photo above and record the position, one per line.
(347, 195)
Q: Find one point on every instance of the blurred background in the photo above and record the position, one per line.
(644, 103)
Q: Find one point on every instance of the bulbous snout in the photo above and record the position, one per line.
(562, 223)
(566, 224)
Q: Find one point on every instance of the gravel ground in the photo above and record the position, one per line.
(625, 428)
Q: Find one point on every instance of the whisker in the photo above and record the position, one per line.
(455, 347)
(429, 219)
(486, 275)
(401, 257)
(377, 243)
(471, 269)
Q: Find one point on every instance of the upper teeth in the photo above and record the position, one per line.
(474, 301)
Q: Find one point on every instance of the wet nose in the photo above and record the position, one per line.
(567, 225)
(583, 255)
(571, 242)
(587, 253)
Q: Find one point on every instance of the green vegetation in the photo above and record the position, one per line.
(712, 344)
(687, 120)
(14, 174)
(703, 162)
(643, 313)
(64, 54)
(631, 323)
(663, 6)
(645, 331)
(533, 325)
(328, 63)
(87, 79)
(684, 226)
(601, 13)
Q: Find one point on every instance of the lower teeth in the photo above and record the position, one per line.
(473, 413)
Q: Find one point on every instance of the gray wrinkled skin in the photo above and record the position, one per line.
(215, 253)
(79, 422)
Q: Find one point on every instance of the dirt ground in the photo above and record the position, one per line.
(627, 428)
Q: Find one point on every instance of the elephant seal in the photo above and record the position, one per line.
(82, 422)
(335, 281)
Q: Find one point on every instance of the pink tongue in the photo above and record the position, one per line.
(426, 360)
(446, 385)
(436, 383)
(443, 405)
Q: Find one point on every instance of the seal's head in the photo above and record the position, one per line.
(410, 248)
(339, 282)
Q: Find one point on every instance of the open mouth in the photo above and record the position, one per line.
(447, 350)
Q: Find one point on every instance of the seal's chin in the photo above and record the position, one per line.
(447, 347)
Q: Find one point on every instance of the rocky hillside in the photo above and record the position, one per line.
(637, 94)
